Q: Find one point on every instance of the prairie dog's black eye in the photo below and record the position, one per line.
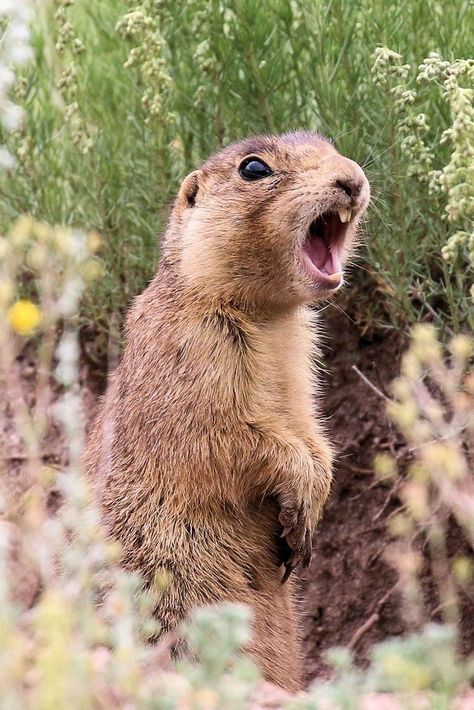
(254, 168)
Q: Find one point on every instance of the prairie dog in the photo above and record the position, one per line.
(207, 456)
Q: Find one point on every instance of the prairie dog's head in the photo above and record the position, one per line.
(270, 220)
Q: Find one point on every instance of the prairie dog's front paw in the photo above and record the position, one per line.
(297, 472)
(295, 518)
(300, 508)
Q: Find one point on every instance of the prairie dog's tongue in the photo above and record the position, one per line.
(318, 251)
(322, 256)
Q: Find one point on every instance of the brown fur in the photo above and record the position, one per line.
(206, 457)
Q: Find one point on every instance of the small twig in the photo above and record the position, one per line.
(371, 384)
(358, 469)
(378, 482)
(374, 528)
(372, 620)
(388, 499)
(454, 434)
(438, 609)
(380, 550)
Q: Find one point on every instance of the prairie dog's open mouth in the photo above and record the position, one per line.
(322, 248)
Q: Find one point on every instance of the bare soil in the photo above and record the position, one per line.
(348, 595)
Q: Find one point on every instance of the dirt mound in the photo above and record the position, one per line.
(348, 595)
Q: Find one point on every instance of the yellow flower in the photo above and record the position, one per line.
(21, 230)
(385, 467)
(92, 270)
(94, 241)
(24, 317)
(463, 569)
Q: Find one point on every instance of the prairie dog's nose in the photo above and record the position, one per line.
(350, 185)
(348, 177)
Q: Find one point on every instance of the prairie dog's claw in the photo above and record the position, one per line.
(297, 532)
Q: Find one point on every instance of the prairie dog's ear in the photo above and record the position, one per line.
(188, 191)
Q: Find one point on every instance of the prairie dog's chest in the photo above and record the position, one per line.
(285, 352)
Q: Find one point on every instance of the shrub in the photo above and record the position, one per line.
(122, 101)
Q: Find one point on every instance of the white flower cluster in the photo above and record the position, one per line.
(149, 57)
(213, 22)
(458, 243)
(387, 65)
(204, 57)
(66, 35)
(68, 42)
(431, 67)
(15, 51)
(456, 178)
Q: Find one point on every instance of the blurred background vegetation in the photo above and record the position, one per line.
(123, 99)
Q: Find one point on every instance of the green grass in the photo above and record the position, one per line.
(264, 66)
